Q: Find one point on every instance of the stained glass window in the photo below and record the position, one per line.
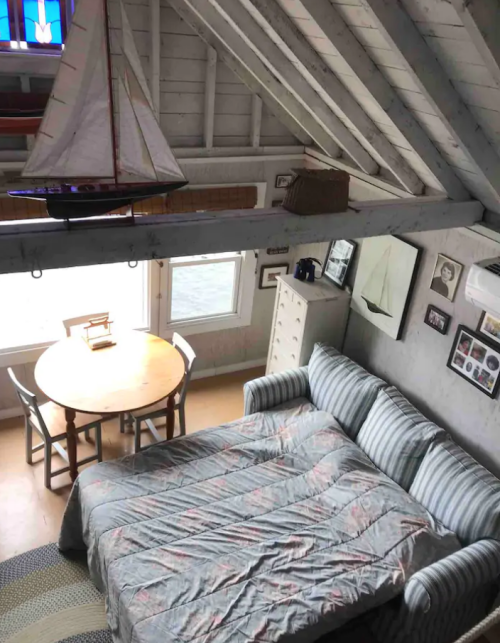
(42, 22)
(4, 21)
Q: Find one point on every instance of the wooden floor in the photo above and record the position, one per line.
(30, 514)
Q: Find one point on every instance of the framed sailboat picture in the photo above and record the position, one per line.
(384, 282)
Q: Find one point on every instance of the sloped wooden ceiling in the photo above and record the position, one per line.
(406, 91)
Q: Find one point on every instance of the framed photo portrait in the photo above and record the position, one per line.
(437, 319)
(338, 261)
(269, 275)
(284, 180)
(446, 277)
(476, 360)
(489, 326)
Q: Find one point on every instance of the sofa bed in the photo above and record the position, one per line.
(332, 501)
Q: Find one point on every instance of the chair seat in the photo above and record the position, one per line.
(159, 407)
(55, 420)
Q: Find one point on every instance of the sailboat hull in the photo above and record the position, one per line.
(90, 200)
(373, 308)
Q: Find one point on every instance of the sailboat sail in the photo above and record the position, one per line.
(376, 290)
(142, 149)
(75, 138)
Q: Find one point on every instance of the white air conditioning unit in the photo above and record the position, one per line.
(483, 285)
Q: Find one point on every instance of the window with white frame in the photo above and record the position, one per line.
(188, 294)
(207, 292)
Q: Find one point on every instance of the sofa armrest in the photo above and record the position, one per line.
(448, 581)
(265, 392)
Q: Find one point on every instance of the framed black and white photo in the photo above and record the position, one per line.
(269, 275)
(477, 360)
(284, 180)
(338, 261)
(437, 319)
(489, 325)
(446, 277)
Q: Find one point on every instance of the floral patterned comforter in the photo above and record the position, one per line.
(273, 528)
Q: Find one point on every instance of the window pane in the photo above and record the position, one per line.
(4, 21)
(217, 255)
(203, 290)
(33, 309)
(42, 22)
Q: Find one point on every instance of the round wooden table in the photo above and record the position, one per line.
(139, 371)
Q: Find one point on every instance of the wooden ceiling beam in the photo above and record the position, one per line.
(232, 21)
(337, 31)
(154, 54)
(256, 121)
(481, 18)
(40, 246)
(402, 34)
(210, 87)
(322, 78)
(279, 100)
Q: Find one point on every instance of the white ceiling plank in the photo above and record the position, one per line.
(154, 53)
(337, 31)
(256, 121)
(294, 117)
(399, 29)
(242, 34)
(482, 21)
(41, 246)
(324, 80)
(210, 86)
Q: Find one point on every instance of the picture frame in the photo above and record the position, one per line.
(489, 326)
(269, 274)
(437, 319)
(283, 180)
(446, 277)
(476, 360)
(339, 260)
(385, 279)
(277, 203)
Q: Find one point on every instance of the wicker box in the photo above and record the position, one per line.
(317, 192)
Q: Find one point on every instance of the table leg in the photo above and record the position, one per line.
(170, 417)
(71, 442)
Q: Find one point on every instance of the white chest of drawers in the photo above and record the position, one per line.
(305, 313)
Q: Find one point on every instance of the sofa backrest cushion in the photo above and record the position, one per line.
(396, 437)
(341, 387)
(459, 492)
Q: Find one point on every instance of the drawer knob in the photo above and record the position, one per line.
(295, 339)
(298, 320)
(277, 340)
(293, 356)
(299, 303)
(282, 305)
(279, 323)
(275, 357)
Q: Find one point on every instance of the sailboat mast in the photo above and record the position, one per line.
(110, 87)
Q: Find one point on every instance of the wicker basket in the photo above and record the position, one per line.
(317, 192)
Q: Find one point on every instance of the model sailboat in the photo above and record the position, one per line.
(376, 290)
(99, 133)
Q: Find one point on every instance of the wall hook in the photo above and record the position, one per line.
(133, 264)
(35, 276)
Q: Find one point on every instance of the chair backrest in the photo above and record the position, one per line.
(189, 358)
(79, 321)
(28, 402)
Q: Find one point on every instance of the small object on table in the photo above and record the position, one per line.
(98, 333)
(304, 270)
(317, 192)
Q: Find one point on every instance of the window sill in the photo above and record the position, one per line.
(207, 325)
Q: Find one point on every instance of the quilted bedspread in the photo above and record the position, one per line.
(276, 527)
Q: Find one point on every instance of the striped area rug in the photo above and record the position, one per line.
(48, 598)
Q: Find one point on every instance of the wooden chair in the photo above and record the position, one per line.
(48, 420)
(158, 410)
(73, 322)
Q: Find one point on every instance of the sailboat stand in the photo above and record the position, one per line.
(106, 155)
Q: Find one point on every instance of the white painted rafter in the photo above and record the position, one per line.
(481, 18)
(233, 17)
(335, 29)
(34, 246)
(401, 33)
(210, 87)
(322, 78)
(279, 100)
(256, 121)
(154, 54)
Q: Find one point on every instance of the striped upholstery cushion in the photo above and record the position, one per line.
(459, 492)
(269, 391)
(395, 436)
(342, 387)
